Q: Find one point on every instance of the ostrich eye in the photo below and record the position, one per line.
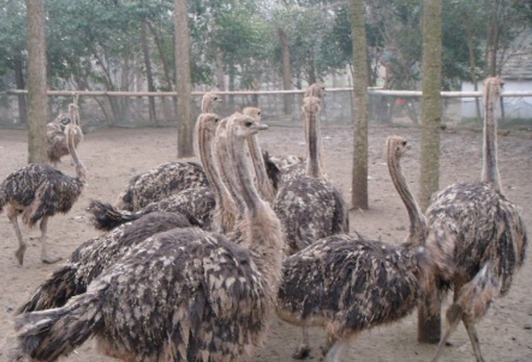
(216, 120)
(258, 113)
(404, 143)
(215, 98)
(248, 124)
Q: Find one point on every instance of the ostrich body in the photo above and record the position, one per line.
(310, 207)
(167, 178)
(181, 295)
(477, 239)
(37, 192)
(160, 182)
(94, 255)
(348, 284)
(56, 137)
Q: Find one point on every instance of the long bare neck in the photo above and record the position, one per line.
(70, 132)
(233, 203)
(263, 181)
(204, 137)
(490, 169)
(418, 223)
(314, 143)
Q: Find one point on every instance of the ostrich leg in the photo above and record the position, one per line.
(45, 257)
(22, 245)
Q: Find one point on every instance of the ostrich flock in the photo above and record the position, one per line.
(194, 260)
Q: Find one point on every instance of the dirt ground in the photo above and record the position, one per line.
(112, 156)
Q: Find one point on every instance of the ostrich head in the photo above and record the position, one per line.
(208, 101)
(252, 112)
(315, 90)
(245, 126)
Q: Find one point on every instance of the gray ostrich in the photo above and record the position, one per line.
(167, 178)
(181, 295)
(39, 191)
(477, 238)
(310, 207)
(56, 137)
(348, 284)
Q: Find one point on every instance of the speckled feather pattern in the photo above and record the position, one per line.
(192, 296)
(94, 255)
(473, 226)
(310, 209)
(160, 182)
(57, 140)
(347, 284)
(196, 204)
(39, 190)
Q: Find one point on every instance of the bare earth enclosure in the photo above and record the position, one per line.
(113, 156)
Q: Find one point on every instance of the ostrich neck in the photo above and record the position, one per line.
(313, 139)
(70, 135)
(204, 139)
(234, 201)
(490, 171)
(244, 176)
(263, 182)
(418, 223)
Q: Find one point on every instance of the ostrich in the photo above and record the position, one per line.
(181, 295)
(315, 90)
(477, 239)
(56, 137)
(167, 178)
(95, 255)
(39, 191)
(266, 171)
(348, 284)
(310, 207)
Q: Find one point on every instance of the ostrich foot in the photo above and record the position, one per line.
(50, 259)
(20, 254)
(302, 352)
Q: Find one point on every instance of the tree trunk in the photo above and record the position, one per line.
(359, 185)
(288, 99)
(472, 61)
(149, 74)
(37, 86)
(18, 65)
(185, 124)
(429, 325)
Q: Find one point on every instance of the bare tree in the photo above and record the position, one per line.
(149, 73)
(185, 126)
(429, 325)
(359, 184)
(37, 87)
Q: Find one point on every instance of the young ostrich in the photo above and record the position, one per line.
(167, 178)
(181, 295)
(310, 207)
(477, 239)
(95, 255)
(56, 137)
(39, 191)
(347, 284)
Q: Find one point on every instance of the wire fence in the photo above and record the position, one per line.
(100, 109)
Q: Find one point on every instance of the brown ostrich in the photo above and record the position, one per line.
(477, 239)
(38, 192)
(56, 137)
(310, 207)
(167, 178)
(181, 295)
(348, 284)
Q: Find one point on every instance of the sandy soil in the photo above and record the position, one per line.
(112, 156)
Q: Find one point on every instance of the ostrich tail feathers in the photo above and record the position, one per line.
(106, 217)
(55, 291)
(50, 334)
